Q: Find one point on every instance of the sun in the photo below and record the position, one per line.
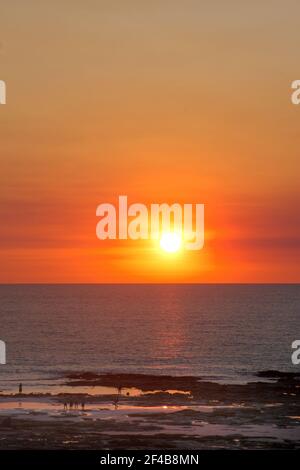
(170, 242)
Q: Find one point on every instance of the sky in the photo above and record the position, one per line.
(164, 101)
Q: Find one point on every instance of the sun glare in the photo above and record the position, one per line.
(170, 242)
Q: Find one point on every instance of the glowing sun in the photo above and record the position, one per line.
(170, 242)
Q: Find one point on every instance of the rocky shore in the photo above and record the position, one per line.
(155, 412)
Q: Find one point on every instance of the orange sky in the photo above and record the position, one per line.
(165, 102)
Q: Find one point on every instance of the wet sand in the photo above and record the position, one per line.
(133, 411)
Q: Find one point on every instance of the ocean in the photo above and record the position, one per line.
(222, 333)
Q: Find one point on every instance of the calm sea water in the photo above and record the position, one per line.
(223, 332)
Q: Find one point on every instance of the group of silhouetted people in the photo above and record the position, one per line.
(73, 405)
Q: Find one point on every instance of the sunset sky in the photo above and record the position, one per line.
(164, 101)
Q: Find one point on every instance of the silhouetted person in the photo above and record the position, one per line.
(116, 401)
(20, 388)
(65, 406)
(82, 406)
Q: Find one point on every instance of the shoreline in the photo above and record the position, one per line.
(155, 412)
